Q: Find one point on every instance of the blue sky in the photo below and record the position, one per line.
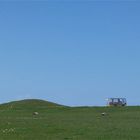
(72, 53)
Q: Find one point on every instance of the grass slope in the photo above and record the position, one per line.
(56, 122)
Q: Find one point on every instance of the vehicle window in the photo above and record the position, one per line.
(115, 100)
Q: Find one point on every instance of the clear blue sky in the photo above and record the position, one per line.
(72, 53)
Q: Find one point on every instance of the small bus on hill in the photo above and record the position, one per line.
(116, 102)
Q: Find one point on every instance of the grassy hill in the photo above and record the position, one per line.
(57, 122)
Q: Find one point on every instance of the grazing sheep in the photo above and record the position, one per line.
(35, 113)
(104, 114)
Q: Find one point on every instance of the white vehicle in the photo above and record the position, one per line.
(116, 102)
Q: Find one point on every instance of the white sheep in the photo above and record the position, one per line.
(35, 113)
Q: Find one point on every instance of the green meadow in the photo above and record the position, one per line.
(57, 122)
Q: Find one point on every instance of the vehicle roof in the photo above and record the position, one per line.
(116, 98)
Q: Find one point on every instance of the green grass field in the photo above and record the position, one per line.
(56, 122)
